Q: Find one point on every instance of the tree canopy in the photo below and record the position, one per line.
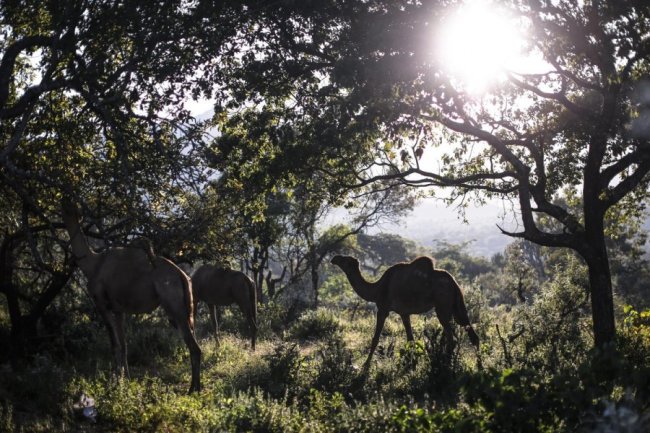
(359, 82)
(331, 101)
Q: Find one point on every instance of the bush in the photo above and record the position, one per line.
(284, 370)
(548, 335)
(443, 367)
(271, 319)
(314, 325)
(634, 336)
(618, 417)
(516, 401)
(6, 416)
(335, 371)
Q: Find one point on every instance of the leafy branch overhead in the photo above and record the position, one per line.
(362, 84)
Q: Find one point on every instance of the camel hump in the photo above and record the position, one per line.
(144, 244)
(423, 267)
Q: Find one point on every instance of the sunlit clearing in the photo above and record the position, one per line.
(478, 42)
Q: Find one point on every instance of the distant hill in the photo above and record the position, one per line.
(432, 221)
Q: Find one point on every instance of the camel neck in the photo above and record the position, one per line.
(363, 288)
(83, 254)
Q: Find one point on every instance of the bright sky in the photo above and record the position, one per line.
(199, 107)
(479, 41)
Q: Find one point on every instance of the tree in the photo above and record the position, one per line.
(270, 172)
(385, 249)
(91, 105)
(455, 259)
(361, 79)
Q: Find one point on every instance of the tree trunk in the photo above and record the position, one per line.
(7, 287)
(313, 262)
(600, 281)
(258, 263)
(314, 282)
(602, 303)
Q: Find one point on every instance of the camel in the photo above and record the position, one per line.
(410, 288)
(219, 287)
(132, 280)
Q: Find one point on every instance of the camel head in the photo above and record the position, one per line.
(345, 262)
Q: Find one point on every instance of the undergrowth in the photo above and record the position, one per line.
(308, 376)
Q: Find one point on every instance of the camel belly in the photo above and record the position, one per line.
(220, 298)
(126, 288)
(410, 308)
(406, 301)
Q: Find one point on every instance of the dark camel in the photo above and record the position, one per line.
(219, 287)
(410, 288)
(129, 280)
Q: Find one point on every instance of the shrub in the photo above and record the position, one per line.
(512, 401)
(6, 416)
(634, 336)
(618, 417)
(442, 366)
(284, 370)
(271, 319)
(335, 371)
(549, 334)
(314, 325)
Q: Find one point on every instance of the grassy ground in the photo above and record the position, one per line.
(305, 376)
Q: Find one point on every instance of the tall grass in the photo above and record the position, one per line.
(536, 373)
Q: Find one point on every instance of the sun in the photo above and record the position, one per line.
(478, 42)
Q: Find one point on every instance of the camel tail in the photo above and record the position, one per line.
(461, 317)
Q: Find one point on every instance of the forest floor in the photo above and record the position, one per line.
(306, 376)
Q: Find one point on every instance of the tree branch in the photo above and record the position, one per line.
(9, 61)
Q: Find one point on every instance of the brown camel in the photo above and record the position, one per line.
(218, 287)
(129, 280)
(410, 288)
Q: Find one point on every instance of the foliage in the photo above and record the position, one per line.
(335, 370)
(455, 259)
(284, 370)
(635, 336)
(314, 324)
(364, 109)
(335, 291)
(551, 330)
(92, 107)
(385, 249)
(535, 373)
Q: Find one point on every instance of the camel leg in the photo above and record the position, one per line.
(381, 318)
(179, 314)
(215, 321)
(406, 320)
(247, 310)
(195, 305)
(110, 321)
(253, 328)
(448, 331)
(444, 317)
(119, 328)
(195, 355)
